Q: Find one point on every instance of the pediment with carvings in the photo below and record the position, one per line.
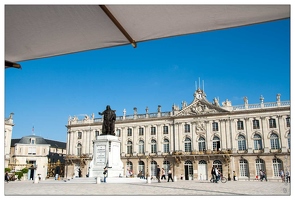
(200, 107)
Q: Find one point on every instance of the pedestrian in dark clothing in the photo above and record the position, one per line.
(105, 174)
(213, 173)
(158, 173)
(170, 175)
(6, 177)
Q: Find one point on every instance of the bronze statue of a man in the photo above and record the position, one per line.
(109, 118)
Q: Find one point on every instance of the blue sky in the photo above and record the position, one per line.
(247, 61)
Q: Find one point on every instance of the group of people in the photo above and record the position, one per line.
(215, 174)
(161, 174)
(285, 176)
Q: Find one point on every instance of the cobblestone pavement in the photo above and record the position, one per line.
(142, 188)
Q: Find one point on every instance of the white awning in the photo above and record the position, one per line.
(39, 31)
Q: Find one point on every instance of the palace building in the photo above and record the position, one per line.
(192, 139)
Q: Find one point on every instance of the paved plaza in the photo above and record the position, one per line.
(139, 187)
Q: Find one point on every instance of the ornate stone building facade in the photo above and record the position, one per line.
(192, 139)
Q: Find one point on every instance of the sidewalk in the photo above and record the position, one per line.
(142, 188)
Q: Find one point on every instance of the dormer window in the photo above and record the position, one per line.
(32, 140)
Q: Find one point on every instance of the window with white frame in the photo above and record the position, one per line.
(129, 132)
(32, 150)
(274, 141)
(141, 167)
(153, 168)
(153, 146)
(240, 125)
(216, 143)
(165, 129)
(202, 144)
(277, 166)
(141, 147)
(244, 168)
(218, 165)
(257, 142)
(140, 131)
(260, 165)
(166, 166)
(187, 128)
(130, 165)
(129, 147)
(79, 149)
(118, 133)
(272, 123)
(256, 124)
(288, 121)
(187, 145)
(96, 133)
(153, 130)
(79, 135)
(215, 126)
(166, 146)
(241, 143)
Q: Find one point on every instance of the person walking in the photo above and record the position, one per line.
(170, 175)
(234, 176)
(158, 173)
(213, 174)
(6, 177)
(105, 174)
(217, 174)
(282, 175)
(163, 174)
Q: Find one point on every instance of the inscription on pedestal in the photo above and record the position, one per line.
(101, 154)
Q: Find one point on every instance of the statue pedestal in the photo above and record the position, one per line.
(106, 152)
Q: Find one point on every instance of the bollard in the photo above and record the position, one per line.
(175, 179)
(36, 179)
(148, 180)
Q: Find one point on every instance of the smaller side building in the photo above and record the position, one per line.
(41, 156)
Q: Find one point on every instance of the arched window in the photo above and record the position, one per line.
(216, 143)
(141, 147)
(153, 168)
(79, 149)
(260, 165)
(274, 141)
(130, 165)
(166, 166)
(241, 143)
(218, 164)
(166, 147)
(129, 147)
(277, 165)
(257, 142)
(153, 146)
(141, 167)
(244, 169)
(202, 144)
(187, 145)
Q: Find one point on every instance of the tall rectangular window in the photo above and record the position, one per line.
(165, 129)
(256, 124)
(288, 121)
(187, 128)
(96, 133)
(153, 130)
(79, 135)
(240, 125)
(140, 131)
(129, 132)
(215, 126)
(272, 123)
